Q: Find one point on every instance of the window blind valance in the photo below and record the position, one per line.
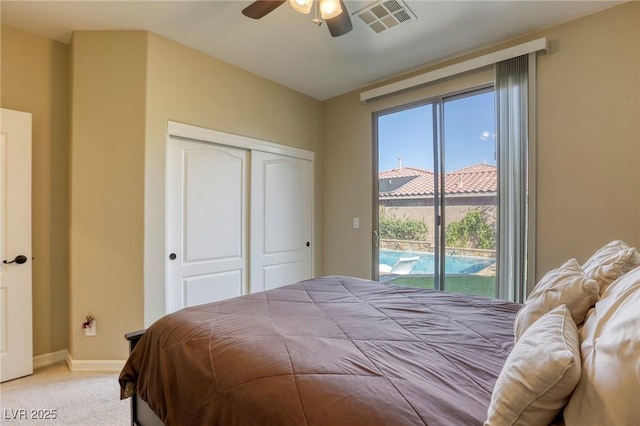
(451, 70)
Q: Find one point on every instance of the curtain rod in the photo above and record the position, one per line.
(451, 70)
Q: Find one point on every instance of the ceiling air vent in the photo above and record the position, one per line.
(382, 15)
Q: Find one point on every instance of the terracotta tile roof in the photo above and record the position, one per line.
(402, 172)
(480, 178)
(478, 168)
(477, 179)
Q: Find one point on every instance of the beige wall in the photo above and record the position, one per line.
(588, 147)
(107, 189)
(125, 86)
(187, 86)
(35, 79)
(588, 136)
(348, 175)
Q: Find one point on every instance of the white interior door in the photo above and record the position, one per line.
(206, 222)
(281, 220)
(16, 342)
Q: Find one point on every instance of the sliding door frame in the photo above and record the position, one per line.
(438, 116)
(375, 115)
(441, 200)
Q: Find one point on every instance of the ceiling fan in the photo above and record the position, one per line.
(334, 12)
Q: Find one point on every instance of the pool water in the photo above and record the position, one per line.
(453, 264)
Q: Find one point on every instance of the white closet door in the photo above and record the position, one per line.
(281, 220)
(206, 223)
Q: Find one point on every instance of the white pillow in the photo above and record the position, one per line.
(540, 373)
(610, 262)
(566, 285)
(609, 390)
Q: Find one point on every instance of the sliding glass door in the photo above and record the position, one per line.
(470, 181)
(436, 194)
(406, 180)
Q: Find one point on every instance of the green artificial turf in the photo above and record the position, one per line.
(469, 284)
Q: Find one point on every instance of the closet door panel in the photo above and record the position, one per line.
(206, 222)
(211, 287)
(213, 190)
(274, 275)
(281, 220)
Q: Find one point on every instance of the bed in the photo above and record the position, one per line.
(331, 350)
(340, 350)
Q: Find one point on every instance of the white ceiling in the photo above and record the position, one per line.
(288, 48)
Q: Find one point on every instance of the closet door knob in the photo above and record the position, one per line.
(172, 256)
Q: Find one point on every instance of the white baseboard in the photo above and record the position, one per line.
(94, 365)
(46, 360)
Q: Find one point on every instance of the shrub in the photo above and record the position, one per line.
(472, 231)
(392, 228)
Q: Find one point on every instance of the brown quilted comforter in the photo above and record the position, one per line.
(331, 351)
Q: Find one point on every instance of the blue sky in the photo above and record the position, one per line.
(469, 135)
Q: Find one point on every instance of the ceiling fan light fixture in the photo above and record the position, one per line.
(302, 6)
(330, 8)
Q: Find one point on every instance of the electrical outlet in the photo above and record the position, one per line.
(91, 330)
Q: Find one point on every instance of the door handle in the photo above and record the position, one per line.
(20, 259)
(376, 238)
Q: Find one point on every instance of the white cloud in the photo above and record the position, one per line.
(486, 135)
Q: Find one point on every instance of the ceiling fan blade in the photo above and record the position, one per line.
(341, 24)
(260, 8)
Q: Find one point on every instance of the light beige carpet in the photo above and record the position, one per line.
(79, 398)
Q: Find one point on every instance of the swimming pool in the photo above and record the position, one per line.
(453, 264)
